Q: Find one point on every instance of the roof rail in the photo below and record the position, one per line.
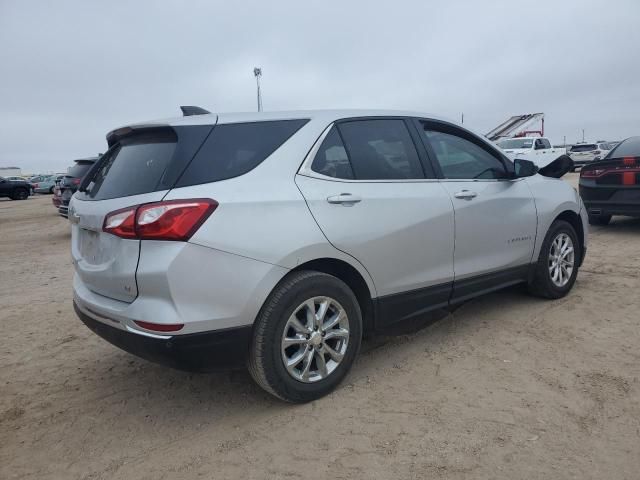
(188, 110)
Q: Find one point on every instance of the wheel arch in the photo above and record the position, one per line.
(354, 280)
(575, 221)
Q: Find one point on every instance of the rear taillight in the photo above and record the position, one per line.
(629, 161)
(121, 223)
(596, 172)
(175, 220)
(76, 181)
(35, 185)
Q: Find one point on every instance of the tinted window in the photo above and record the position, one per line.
(234, 149)
(79, 170)
(381, 150)
(134, 166)
(546, 143)
(584, 147)
(332, 159)
(627, 148)
(460, 158)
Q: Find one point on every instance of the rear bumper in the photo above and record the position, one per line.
(612, 208)
(611, 200)
(204, 351)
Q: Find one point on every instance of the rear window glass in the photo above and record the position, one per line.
(587, 147)
(79, 170)
(628, 148)
(234, 149)
(134, 166)
(331, 159)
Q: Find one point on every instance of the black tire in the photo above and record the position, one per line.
(51, 190)
(542, 284)
(599, 219)
(265, 361)
(20, 194)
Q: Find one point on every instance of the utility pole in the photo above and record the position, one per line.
(257, 72)
(462, 119)
(583, 135)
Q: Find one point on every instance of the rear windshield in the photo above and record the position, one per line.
(627, 148)
(134, 166)
(585, 147)
(79, 170)
(234, 149)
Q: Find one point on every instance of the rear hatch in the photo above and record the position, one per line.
(140, 166)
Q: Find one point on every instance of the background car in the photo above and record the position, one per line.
(583, 153)
(16, 188)
(69, 183)
(44, 184)
(22, 179)
(612, 186)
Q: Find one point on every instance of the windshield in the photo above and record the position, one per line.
(516, 143)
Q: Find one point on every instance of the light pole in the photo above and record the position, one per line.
(257, 72)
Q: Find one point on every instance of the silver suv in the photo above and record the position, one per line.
(277, 239)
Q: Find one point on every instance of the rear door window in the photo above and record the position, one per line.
(234, 149)
(332, 159)
(381, 149)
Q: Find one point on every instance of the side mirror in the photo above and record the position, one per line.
(524, 168)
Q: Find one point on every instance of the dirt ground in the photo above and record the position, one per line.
(508, 386)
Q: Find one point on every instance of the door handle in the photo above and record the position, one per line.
(345, 199)
(465, 194)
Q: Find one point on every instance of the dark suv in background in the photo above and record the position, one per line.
(69, 183)
(14, 189)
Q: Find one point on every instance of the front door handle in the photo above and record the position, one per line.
(465, 194)
(345, 199)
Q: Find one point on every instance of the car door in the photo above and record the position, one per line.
(364, 183)
(495, 214)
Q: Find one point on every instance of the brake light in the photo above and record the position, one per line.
(76, 181)
(629, 161)
(159, 327)
(35, 185)
(175, 220)
(121, 223)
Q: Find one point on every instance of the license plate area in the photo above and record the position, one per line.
(89, 246)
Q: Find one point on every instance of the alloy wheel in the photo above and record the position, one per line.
(315, 339)
(561, 259)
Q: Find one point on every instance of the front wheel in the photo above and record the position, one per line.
(20, 194)
(557, 267)
(306, 337)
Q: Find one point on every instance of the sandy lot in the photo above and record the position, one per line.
(509, 386)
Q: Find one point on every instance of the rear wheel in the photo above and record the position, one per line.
(599, 219)
(557, 265)
(51, 190)
(306, 337)
(20, 194)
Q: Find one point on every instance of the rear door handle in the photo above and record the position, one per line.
(345, 199)
(465, 194)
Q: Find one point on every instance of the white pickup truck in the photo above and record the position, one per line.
(536, 149)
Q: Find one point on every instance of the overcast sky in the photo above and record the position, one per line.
(72, 71)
